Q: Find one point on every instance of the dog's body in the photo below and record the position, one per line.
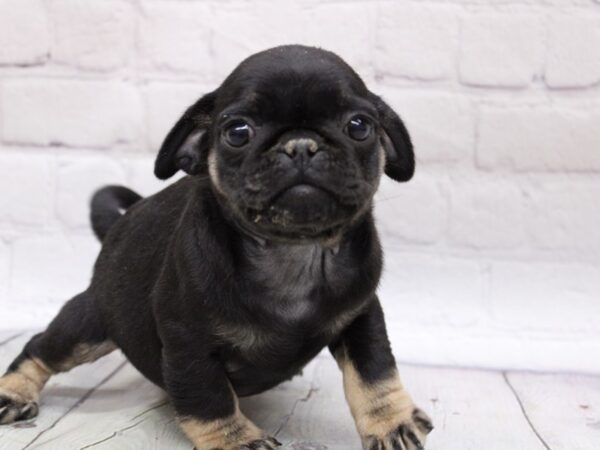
(229, 281)
(266, 308)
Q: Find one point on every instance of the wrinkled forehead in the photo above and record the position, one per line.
(293, 92)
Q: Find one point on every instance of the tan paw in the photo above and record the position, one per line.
(409, 434)
(235, 432)
(19, 395)
(268, 443)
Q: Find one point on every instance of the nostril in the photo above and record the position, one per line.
(304, 146)
(290, 150)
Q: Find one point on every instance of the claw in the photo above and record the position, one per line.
(11, 411)
(30, 410)
(421, 419)
(397, 444)
(414, 439)
(274, 441)
(3, 412)
(7, 415)
(269, 443)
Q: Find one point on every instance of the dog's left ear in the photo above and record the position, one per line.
(400, 158)
(186, 145)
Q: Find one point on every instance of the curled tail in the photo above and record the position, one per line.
(107, 204)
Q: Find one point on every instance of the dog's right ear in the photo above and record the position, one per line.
(186, 145)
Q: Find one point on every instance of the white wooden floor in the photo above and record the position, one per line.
(108, 405)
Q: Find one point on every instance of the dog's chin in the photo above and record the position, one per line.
(300, 213)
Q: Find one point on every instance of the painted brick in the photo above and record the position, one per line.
(235, 25)
(573, 56)
(416, 41)
(415, 212)
(93, 35)
(5, 261)
(26, 187)
(500, 50)
(176, 36)
(448, 289)
(564, 214)
(70, 112)
(534, 297)
(348, 30)
(51, 267)
(141, 176)
(442, 126)
(164, 105)
(486, 214)
(77, 180)
(541, 138)
(24, 32)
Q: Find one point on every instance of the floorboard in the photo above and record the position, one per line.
(109, 405)
(62, 396)
(563, 409)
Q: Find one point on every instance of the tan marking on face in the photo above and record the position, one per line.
(25, 384)
(382, 160)
(290, 146)
(224, 434)
(213, 172)
(86, 353)
(378, 407)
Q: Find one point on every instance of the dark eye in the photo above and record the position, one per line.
(359, 128)
(238, 134)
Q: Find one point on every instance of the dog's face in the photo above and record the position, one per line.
(293, 142)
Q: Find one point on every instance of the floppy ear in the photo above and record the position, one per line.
(400, 158)
(186, 145)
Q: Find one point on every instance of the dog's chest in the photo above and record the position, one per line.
(288, 280)
(290, 291)
(299, 298)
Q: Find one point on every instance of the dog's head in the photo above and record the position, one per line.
(293, 141)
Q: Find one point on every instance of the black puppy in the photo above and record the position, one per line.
(229, 281)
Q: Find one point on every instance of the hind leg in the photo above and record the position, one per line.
(75, 336)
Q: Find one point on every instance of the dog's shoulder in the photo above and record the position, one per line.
(143, 236)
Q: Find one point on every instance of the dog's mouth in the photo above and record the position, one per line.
(301, 211)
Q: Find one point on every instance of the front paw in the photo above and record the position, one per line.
(268, 443)
(235, 432)
(407, 434)
(18, 398)
(12, 410)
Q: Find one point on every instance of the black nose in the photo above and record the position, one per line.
(300, 148)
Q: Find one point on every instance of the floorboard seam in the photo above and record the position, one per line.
(12, 338)
(305, 398)
(77, 404)
(129, 427)
(524, 411)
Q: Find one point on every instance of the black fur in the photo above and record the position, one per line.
(242, 279)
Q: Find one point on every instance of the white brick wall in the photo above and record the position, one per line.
(493, 250)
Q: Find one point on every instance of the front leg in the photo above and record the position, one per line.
(384, 413)
(206, 405)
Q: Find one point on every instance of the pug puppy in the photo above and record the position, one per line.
(232, 279)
